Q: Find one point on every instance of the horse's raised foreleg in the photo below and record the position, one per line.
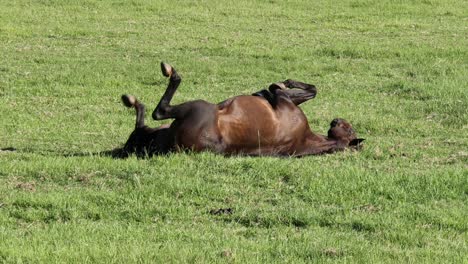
(303, 92)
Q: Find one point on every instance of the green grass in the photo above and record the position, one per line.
(397, 70)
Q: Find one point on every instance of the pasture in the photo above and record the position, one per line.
(397, 70)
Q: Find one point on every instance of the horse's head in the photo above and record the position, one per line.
(342, 131)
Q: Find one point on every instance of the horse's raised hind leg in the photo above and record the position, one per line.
(164, 110)
(136, 141)
(303, 92)
(131, 101)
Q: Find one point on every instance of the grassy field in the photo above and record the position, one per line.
(397, 70)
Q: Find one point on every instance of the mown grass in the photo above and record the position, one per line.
(395, 69)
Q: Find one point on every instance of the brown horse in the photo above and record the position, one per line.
(267, 123)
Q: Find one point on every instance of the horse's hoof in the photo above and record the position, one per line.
(166, 69)
(128, 100)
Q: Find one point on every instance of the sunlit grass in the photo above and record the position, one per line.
(395, 69)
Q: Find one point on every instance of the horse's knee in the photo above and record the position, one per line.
(159, 113)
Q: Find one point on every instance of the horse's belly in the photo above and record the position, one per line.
(251, 126)
(242, 125)
(247, 133)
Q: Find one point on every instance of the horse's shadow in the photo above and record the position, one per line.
(117, 153)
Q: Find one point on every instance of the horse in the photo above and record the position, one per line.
(266, 123)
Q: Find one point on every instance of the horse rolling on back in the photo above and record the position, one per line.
(267, 123)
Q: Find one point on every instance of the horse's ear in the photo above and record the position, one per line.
(356, 141)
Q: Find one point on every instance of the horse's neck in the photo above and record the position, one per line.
(314, 138)
(317, 144)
